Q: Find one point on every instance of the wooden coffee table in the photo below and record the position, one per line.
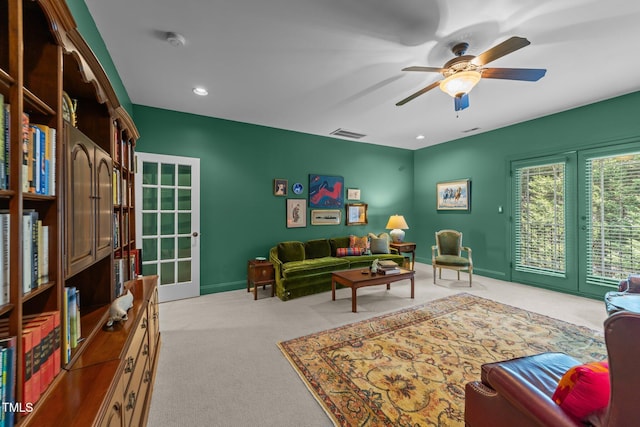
(361, 277)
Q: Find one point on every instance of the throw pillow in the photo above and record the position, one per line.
(340, 252)
(359, 242)
(583, 389)
(290, 251)
(379, 244)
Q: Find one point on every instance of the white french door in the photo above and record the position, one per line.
(168, 212)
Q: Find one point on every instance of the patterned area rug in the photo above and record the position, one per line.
(409, 368)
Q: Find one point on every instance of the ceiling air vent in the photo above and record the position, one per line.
(470, 130)
(348, 133)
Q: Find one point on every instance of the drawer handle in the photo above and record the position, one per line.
(132, 401)
(145, 349)
(129, 367)
(144, 323)
(147, 376)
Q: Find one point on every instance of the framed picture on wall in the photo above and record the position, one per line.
(353, 194)
(296, 213)
(326, 216)
(280, 187)
(453, 195)
(326, 192)
(356, 214)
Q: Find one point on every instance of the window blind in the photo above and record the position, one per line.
(540, 219)
(613, 222)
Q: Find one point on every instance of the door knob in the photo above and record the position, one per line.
(195, 234)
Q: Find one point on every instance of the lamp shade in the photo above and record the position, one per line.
(396, 224)
(460, 83)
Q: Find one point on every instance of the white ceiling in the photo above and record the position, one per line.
(317, 65)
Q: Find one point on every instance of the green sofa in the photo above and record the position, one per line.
(304, 268)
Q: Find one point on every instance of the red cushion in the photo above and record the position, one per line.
(583, 390)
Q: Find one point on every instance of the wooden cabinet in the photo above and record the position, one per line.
(112, 379)
(89, 208)
(43, 58)
(260, 272)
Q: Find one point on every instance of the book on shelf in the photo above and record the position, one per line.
(25, 152)
(9, 361)
(44, 362)
(4, 179)
(5, 271)
(54, 344)
(45, 161)
(72, 331)
(3, 141)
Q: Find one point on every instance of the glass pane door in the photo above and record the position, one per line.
(544, 209)
(168, 204)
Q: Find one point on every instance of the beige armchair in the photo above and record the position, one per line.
(447, 253)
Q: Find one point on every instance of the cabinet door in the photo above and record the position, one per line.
(80, 203)
(104, 204)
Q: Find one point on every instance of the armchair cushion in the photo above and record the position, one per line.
(452, 260)
(583, 390)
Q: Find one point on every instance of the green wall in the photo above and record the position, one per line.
(240, 216)
(485, 160)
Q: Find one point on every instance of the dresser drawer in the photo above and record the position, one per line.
(140, 339)
(132, 392)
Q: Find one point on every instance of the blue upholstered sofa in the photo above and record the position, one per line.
(304, 268)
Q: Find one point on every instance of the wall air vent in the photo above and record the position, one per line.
(348, 133)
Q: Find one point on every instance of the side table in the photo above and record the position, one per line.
(406, 247)
(260, 272)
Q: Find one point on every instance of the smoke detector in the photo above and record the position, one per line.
(175, 39)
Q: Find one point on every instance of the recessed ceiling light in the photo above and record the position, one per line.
(200, 91)
(420, 137)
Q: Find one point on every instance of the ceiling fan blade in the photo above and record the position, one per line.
(418, 93)
(527, 74)
(427, 69)
(500, 50)
(460, 102)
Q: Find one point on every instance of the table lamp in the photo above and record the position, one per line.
(397, 224)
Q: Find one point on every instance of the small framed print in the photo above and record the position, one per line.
(296, 213)
(353, 194)
(326, 216)
(357, 214)
(280, 187)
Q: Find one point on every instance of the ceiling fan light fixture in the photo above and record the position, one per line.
(460, 83)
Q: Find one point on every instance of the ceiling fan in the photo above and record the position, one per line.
(463, 72)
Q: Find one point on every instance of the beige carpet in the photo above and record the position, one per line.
(220, 365)
(409, 368)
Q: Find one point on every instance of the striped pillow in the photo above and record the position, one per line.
(340, 252)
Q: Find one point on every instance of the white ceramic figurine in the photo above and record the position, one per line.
(119, 308)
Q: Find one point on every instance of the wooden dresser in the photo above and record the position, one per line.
(110, 383)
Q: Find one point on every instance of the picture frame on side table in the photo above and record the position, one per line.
(326, 216)
(280, 187)
(296, 213)
(356, 214)
(453, 195)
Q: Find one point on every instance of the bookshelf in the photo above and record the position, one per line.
(67, 230)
